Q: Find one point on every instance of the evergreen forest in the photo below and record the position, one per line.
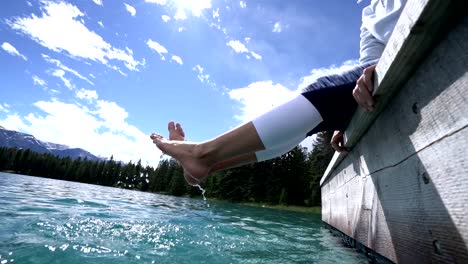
(291, 179)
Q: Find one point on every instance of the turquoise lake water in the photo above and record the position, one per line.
(51, 221)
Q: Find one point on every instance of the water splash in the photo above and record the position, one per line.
(197, 185)
(202, 190)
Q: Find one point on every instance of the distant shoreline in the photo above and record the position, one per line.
(293, 208)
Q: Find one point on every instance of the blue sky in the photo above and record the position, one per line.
(103, 74)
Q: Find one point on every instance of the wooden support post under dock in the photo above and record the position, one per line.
(402, 190)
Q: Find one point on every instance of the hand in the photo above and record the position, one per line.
(364, 88)
(337, 141)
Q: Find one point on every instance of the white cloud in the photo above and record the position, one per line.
(177, 59)
(247, 39)
(59, 29)
(165, 18)
(100, 23)
(256, 56)
(39, 81)
(102, 130)
(242, 4)
(237, 46)
(118, 70)
(13, 122)
(12, 50)
(277, 27)
(130, 9)
(88, 95)
(320, 72)
(61, 75)
(181, 29)
(159, 2)
(259, 97)
(198, 68)
(180, 15)
(194, 6)
(202, 77)
(4, 108)
(98, 2)
(160, 49)
(65, 68)
(216, 13)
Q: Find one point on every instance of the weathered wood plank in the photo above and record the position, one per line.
(421, 24)
(411, 221)
(403, 189)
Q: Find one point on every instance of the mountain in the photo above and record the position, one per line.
(15, 139)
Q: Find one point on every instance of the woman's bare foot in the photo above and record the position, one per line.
(176, 132)
(187, 153)
(195, 167)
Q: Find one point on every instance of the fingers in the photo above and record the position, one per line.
(337, 142)
(362, 93)
(368, 73)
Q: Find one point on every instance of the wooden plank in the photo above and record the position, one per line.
(411, 221)
(421, 24)
(402, 190)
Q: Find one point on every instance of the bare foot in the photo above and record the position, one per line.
(177, 133)
(195, 168)
(187, 153)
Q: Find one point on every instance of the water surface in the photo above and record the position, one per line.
(51, 221)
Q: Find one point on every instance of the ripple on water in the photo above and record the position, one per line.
(73, 201)
(93, 224)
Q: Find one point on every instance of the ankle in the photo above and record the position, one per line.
(205, 153)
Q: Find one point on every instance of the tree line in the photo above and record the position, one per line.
(291, 179)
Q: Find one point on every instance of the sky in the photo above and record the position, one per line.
(102, 75)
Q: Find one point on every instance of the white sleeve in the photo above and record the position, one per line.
(378, 21)
(370, 48)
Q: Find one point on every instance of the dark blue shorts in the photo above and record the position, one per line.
(333, 97)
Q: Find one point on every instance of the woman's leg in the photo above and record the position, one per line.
(291, 120)
(177, 133)
(258, 156)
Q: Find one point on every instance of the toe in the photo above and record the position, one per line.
(170, 126)
(180, 130)
(155, 136)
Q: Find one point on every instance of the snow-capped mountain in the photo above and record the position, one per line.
(15, 139)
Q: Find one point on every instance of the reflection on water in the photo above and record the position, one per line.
(51, 221)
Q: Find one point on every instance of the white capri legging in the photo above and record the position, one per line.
(325, 105)
(285, 127)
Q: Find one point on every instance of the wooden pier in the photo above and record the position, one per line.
(402, 190)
